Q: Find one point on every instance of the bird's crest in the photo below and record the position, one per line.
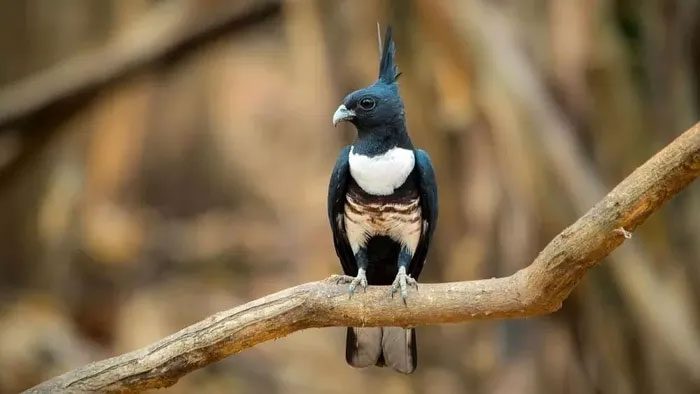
(388, 71)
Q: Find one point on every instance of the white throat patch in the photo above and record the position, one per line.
(382, 174)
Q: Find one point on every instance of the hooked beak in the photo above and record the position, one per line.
(342, 114)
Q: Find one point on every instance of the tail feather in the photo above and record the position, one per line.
(363, 346)
(399, 348)
(391, 346)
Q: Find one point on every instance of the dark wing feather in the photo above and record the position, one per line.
(336, 207)
(425, 180)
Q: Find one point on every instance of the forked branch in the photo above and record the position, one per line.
(537, 289)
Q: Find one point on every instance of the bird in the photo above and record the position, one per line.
(382, 209)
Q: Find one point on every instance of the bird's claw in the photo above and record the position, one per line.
(401, 284)
(359, 280)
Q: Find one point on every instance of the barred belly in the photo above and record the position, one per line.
(401, 221)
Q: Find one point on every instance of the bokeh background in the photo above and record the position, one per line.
(164, 160)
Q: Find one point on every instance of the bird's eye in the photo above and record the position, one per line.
(367, 103)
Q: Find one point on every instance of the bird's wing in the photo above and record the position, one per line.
(336, 206)
(425, 177)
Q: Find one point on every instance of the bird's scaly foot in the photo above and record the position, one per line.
(402, 283)
(360, 279)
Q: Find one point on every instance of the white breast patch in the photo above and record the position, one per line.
(382, 174)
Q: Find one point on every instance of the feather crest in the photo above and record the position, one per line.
(388, 70)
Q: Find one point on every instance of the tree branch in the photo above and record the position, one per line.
(537, 289)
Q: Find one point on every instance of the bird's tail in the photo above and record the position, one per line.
(392, 346)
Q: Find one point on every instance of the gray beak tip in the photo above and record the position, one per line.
(342, 114)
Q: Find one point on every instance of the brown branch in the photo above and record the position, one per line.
(538, 289)
(487, 34)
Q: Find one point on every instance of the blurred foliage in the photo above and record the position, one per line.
(200, 183)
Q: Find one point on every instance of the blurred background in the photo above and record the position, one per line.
(164, 160)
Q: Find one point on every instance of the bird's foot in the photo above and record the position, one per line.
(401, 284)
(359, 280)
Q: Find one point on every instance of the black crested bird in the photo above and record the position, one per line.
(382, 207)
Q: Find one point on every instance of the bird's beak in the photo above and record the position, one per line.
(341, 114)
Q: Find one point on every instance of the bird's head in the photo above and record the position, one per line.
(378, 104)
